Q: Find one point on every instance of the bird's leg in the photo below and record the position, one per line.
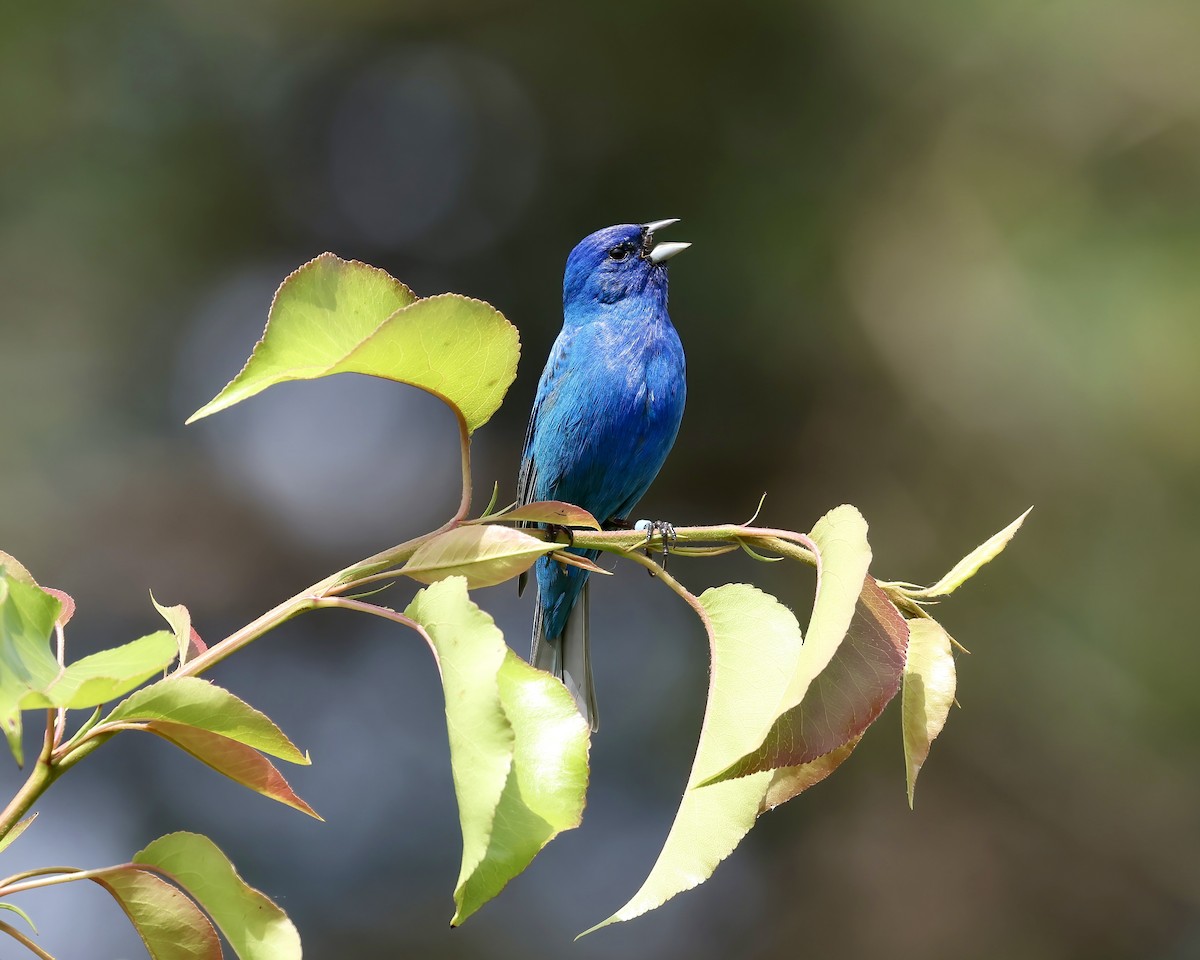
(617, 523)
(664, 530)
(555, 529)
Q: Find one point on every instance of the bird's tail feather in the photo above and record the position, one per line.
(568, 657)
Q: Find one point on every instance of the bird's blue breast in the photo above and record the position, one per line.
(608, 409)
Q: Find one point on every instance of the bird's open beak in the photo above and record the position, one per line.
(661, 252)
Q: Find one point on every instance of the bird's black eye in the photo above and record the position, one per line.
(620, 251)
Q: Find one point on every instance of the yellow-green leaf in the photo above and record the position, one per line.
(969, 565)
(928, 692)
(844, 555)
(486, 554)
(755, 642)
(337, 316)
(254, 926)
(105, 675)
(518, 746)
(171, 926)
(200, 703)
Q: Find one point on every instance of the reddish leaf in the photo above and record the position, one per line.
(845, 698)
(198, 645)
(254, 926)
(68, 605)
(787, 782)
(171, 926)
(237, 761)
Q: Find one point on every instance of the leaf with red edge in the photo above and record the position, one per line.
(198, 645)
(787, 782)
(843, 555)
(68, 605)
(16, 569)
(171, 926)
(254, 926)
(549, 511)
(27, 617)
(238, 762)
(846, 697)
(180, 621)
(201, 703)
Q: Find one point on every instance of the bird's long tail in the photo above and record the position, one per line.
(567, 656)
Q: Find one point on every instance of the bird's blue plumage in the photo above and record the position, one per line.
(606, 414)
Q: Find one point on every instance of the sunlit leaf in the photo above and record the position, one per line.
(486, 554)
(929, 683)
(238, 762)
(67, 610)
(518, 746)
(254, 926)
(841, 540)
(27, 615)
(180, 621)
(337, 316)
(199, 703)
(171, 926)
(16, 831)
(105, 675)
(846, 697)
(12, 907)
(16, 570)
(755, 642)
(550, 511)
(969, 565)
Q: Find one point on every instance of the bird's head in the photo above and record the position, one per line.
(617, 263)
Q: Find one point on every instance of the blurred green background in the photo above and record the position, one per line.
(946, 265)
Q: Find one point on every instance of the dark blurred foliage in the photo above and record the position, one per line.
(945, 266)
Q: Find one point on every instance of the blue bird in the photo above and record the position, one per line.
(607, 410)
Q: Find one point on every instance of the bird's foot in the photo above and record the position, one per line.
(665, 530)
(555, 529)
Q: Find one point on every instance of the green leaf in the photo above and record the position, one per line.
(16, 831)
(27, 615)
(170, 925)
(16, 570)
(199, 703)
(518, 746)
(486, 554)
(846, 697)
(254, 926)
(929, 683)
(843, 554)
(969, 565)
(755, 642)
(548, 511)
(234, 760)
(336, 316)
(180, 621)
(106, 675)
(20, 913)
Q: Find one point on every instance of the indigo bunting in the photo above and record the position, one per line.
(607, 410)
